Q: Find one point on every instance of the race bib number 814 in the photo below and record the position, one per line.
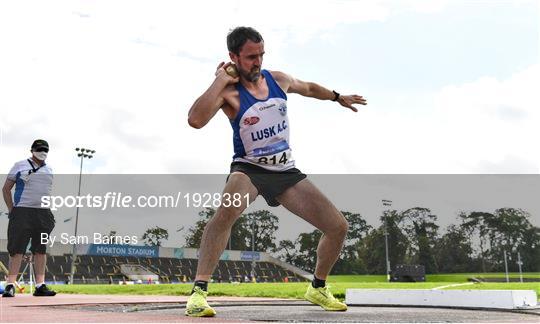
(280, 158)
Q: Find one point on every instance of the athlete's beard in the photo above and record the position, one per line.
(251, 76)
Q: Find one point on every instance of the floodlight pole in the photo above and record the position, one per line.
(386, 203)
(84, 153)
(252, 247)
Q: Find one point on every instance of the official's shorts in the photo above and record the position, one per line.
(25, 225)
(269, 184)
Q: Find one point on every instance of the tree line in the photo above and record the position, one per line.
(475, 243)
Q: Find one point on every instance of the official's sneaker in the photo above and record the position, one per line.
(324, 298)
(197, 306)
(9, 291)
(44, 291)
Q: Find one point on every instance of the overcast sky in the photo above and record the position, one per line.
(452, 85)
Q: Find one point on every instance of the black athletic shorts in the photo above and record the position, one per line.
(27, 224)
(269, 184)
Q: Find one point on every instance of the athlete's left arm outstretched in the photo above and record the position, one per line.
(314, 90)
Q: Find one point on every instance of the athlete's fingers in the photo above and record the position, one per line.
(222, 73)
(359, 100)
(345, 102)
(350, 106)
(220, 65)
(357, 97)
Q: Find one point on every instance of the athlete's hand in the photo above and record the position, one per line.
(222, 74)
(349, 101)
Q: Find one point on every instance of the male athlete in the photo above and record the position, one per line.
(256, 104)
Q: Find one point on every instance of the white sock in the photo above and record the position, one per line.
(39, 284)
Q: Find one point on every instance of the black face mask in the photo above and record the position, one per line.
(42, 149)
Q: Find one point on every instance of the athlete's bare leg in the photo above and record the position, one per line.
(306, 201)
(218, 229)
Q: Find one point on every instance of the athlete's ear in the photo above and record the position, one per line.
(233, 57)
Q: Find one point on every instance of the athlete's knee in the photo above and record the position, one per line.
(226, 216)
(341, 226)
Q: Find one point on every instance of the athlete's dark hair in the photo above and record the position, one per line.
(239, 36)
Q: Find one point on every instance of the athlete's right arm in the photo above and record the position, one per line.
(6, 192)
(208, 104)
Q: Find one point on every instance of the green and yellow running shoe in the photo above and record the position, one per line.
(324, 298)
(197, 306)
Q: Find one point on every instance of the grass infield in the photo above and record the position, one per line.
(338, 285)
(453, 277)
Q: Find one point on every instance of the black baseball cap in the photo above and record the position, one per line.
(39, 143)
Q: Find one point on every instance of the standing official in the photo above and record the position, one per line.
(32, 179)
